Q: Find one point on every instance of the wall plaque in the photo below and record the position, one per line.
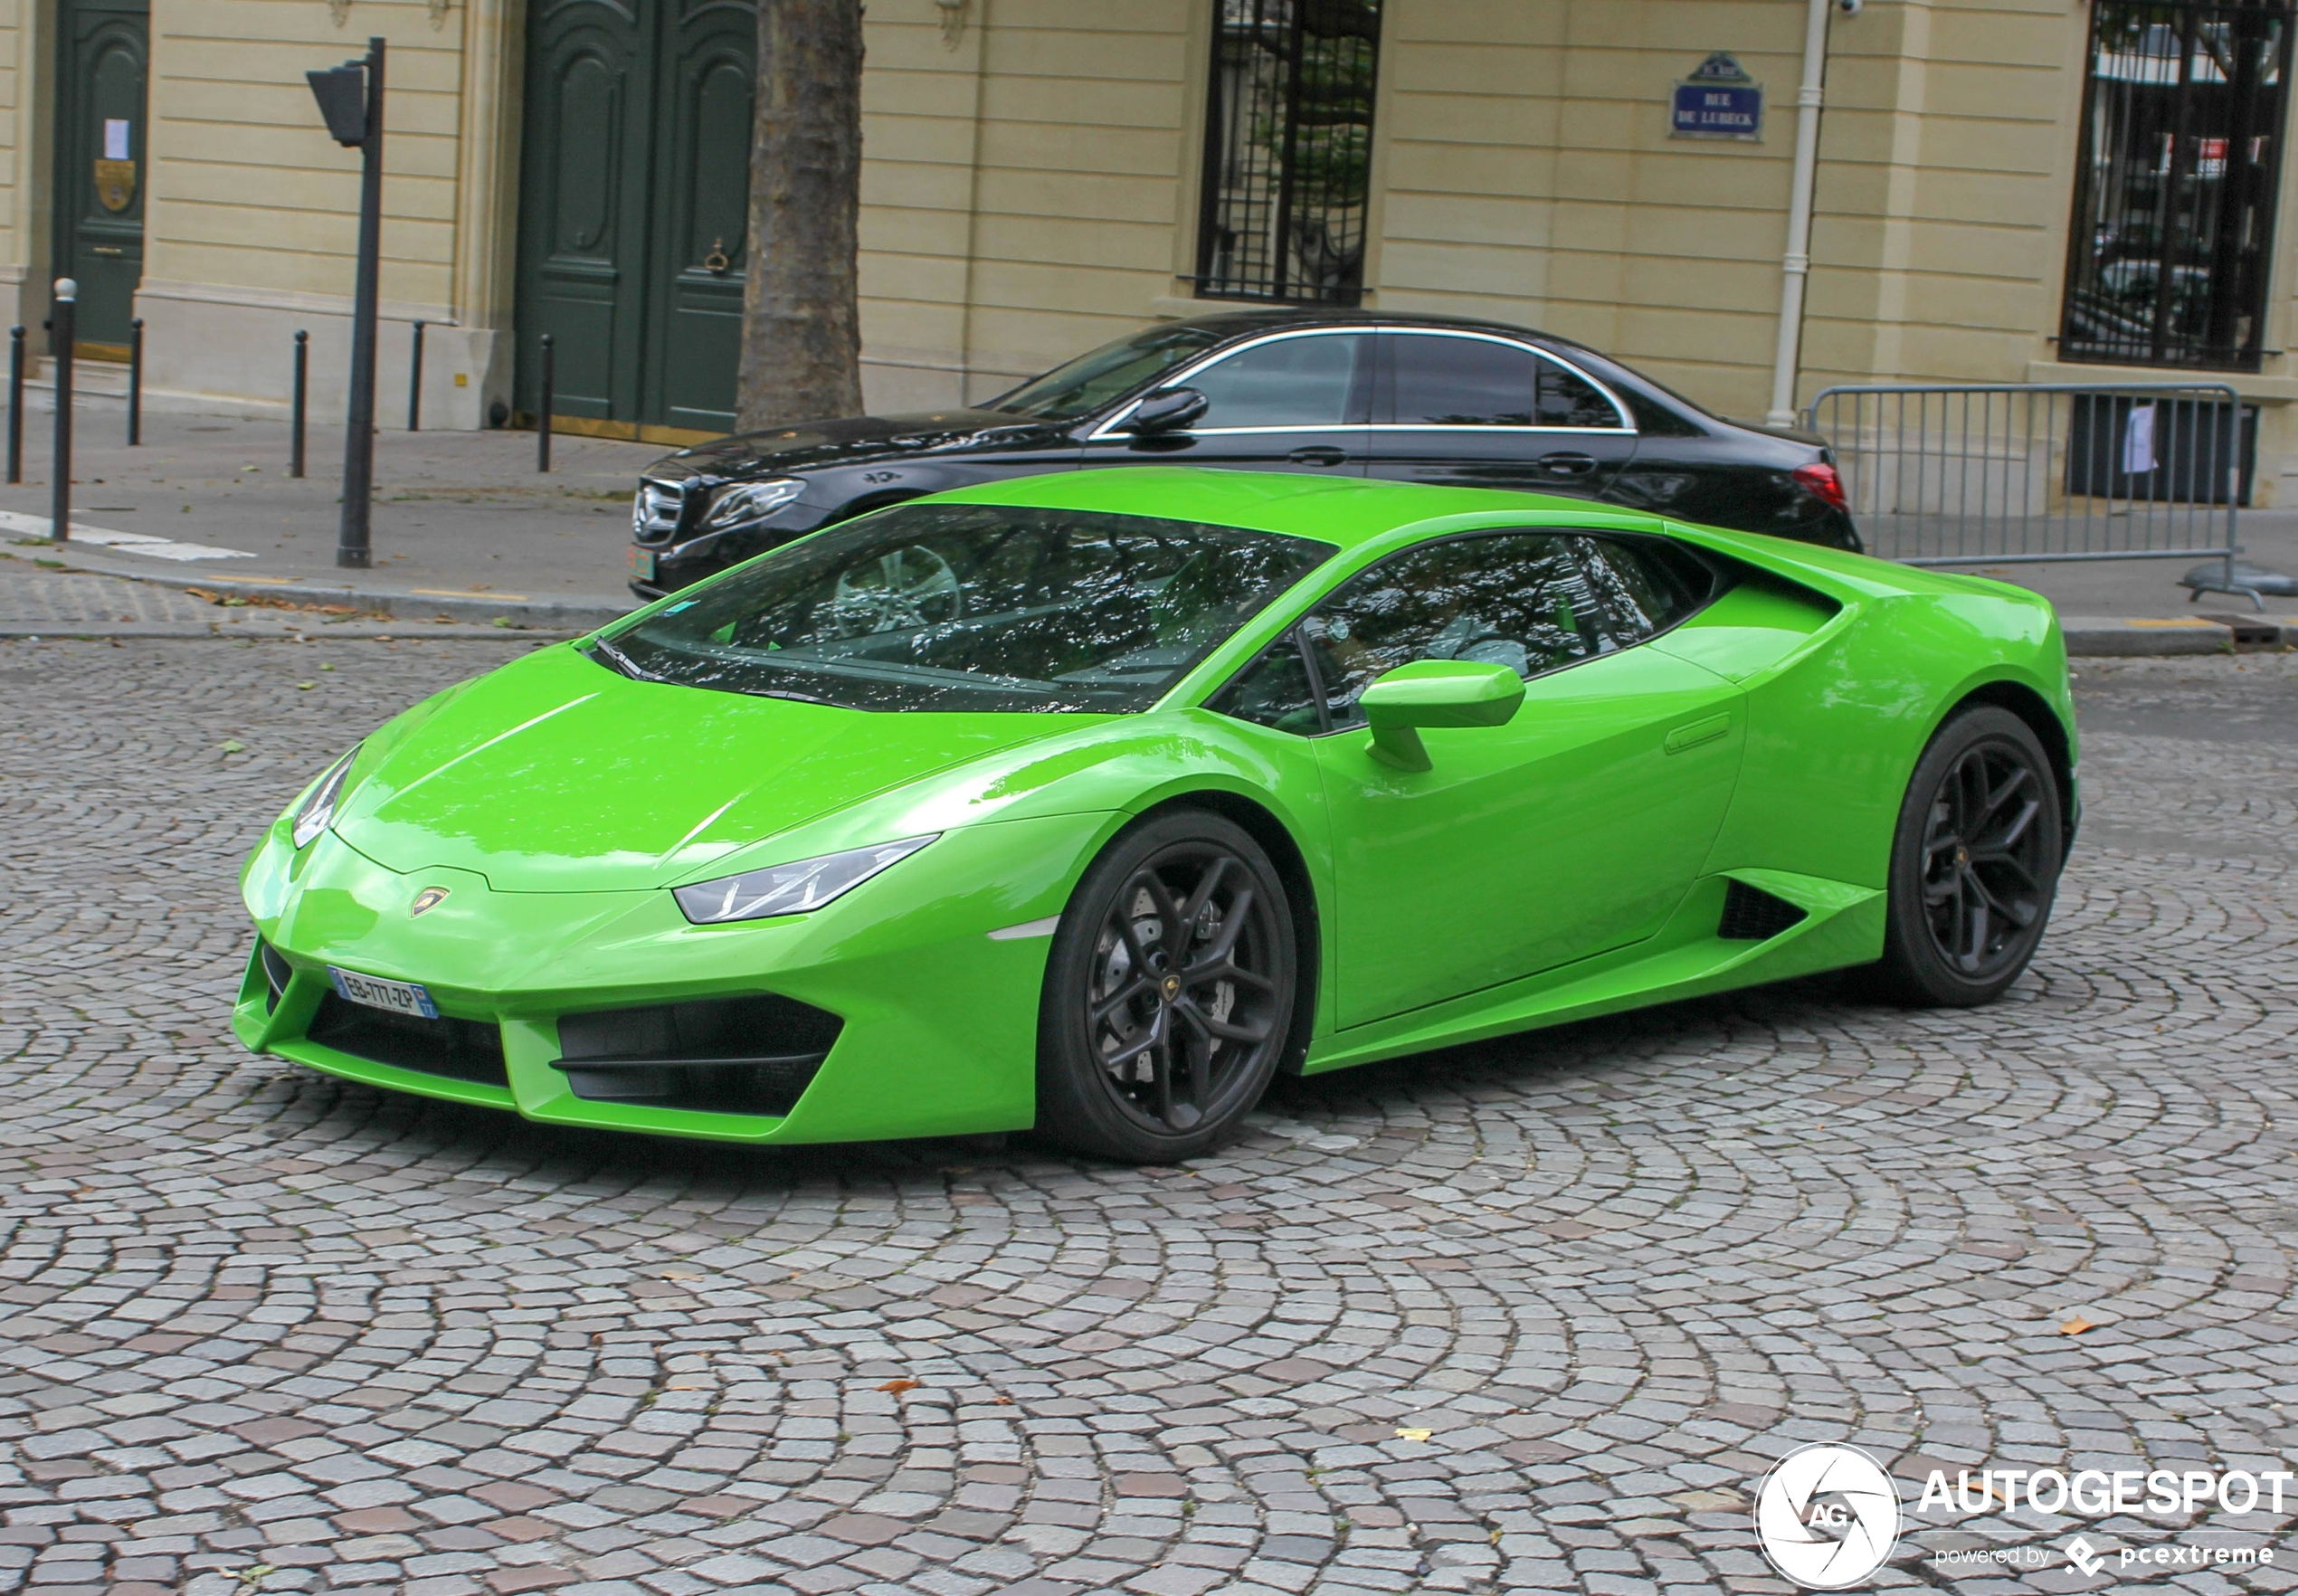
(1718, 101)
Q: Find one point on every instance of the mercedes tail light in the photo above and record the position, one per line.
(1821, 481)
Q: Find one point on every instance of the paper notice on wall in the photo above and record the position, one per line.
(2138, 441)
(116, 139)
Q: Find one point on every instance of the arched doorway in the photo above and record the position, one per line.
(633, 194)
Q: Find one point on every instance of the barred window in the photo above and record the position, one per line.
(2174, 200)
(1288, 150)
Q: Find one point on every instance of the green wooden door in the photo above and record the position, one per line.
(633, 195)
(101, 46)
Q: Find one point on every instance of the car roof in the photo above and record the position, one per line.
(1346, 510)
(1280, 318)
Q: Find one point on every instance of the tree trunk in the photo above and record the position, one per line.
(800, 325)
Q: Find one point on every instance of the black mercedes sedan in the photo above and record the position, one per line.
(1340, 393)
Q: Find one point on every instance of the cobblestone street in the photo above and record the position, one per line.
(1534, 1315)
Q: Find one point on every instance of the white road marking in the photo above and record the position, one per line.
(135, 542)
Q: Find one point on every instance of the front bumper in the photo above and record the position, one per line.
(939, 1032)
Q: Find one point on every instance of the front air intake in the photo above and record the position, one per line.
(460, 1050)
(749, 1055)
(1753, 915)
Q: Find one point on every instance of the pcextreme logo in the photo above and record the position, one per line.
(1827, 1516)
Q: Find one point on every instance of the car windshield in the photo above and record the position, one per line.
(1085, 385)
(970, 607)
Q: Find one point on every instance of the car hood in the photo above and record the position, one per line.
(557, 773)
(852, 441)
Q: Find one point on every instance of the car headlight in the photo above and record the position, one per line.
(750, 501)
(316, 811)
(790, 888)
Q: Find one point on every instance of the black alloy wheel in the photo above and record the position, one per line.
(1169, 994)
(1975, 862)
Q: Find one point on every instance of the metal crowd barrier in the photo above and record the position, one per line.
(2020, 473)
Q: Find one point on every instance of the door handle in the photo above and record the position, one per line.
(1696, 733)
(1566, 462)
(1318, 454)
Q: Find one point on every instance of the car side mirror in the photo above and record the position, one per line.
(1168, 410)
(1436, 692)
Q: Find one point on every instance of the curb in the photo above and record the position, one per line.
(223, 631)
(577, 614)
(2151, 638)
(2087, 637)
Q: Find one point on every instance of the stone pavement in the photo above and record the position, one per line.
(1533, 1316)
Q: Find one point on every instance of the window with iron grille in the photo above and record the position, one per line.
(2174, 195)
(1288, 150)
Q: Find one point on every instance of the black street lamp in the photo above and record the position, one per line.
(350, 98)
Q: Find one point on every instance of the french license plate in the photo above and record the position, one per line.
(643, 564)
(397, 997)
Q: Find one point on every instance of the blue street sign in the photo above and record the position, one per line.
(1710, 109)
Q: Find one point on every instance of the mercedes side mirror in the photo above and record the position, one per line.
(1168, 410)
(1436, 692)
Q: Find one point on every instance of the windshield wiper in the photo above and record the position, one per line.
(626, 665)
(759, 692)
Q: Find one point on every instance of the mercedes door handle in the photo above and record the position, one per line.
(1566, 462)
(1323, 454)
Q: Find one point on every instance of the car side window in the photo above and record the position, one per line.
(1458, 382)
(1520, 599)
(1274, 690)
(1439, 382)
(1563, 398)
(1323, 379)
(1647, 586)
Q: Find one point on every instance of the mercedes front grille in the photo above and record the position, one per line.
(657, 510)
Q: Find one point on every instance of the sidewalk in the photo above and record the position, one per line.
(463, 523)
(465, 527)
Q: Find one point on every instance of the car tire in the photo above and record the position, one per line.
(1974, 863)
(1144, 1059)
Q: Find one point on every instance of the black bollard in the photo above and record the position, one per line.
(15, 404)
(64, 325)
(414, 385)
(136, 382)
(543, 418)
(295, 411)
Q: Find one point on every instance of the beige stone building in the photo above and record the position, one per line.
(1043, 175)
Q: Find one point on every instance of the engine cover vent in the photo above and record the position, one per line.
(1753, 914)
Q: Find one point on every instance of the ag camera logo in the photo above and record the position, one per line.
(1827, 1516)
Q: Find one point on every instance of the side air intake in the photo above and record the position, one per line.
(750, 1055)
(1753, 915)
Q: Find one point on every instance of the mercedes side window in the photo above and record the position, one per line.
(1460, 382)
(1438, 381)
(1320, 380)
(1561, 397)
(1275, 691)
(1647, 586)
(1520, 599)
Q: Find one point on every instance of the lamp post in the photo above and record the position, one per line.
(350, 98)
